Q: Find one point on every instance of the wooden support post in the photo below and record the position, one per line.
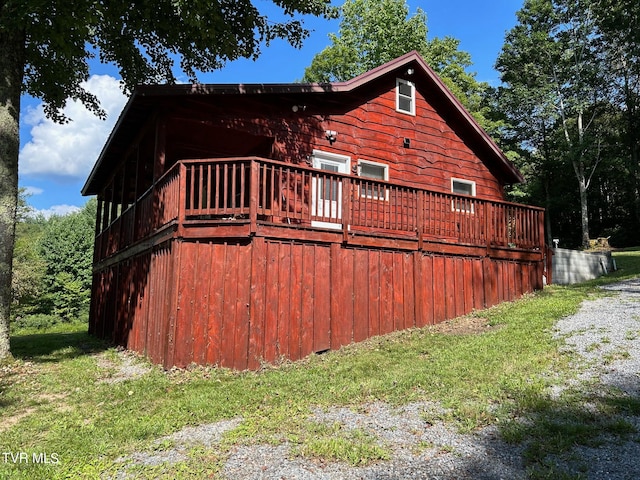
(113, 204)
(182, 198)
(98, 231)
(122, 234)
(158, 167)
(346, 208)
(549, 268)
(419, 297)
(160, 150)
(253, 196)
(137, 193)
(541, 240)
(489, 240)
(420, 218)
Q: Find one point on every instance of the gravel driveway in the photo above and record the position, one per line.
(605, 335)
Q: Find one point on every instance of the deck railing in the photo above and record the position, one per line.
(259, 191)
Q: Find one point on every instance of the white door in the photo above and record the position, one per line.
(326, 202)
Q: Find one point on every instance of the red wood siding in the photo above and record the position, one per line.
(372, 130)
(375, 131)
(237, 304)
(133, 304)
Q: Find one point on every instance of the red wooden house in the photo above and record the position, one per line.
(241, 224)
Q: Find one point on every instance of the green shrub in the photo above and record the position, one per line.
(38, 321)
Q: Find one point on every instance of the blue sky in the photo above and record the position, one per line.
(56, 159)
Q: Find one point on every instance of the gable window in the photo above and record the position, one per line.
(405, 96)
(463, 187)
(376, 171)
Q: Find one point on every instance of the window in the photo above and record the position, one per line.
(376, 171)
(405, 96)
(463, 187)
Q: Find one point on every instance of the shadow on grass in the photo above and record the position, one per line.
(580, 434)
(53, 347)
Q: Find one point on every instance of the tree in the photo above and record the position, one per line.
(554, 87)
(619, 25)
(28, 265)
(373, 32)
(45, 48)
(67, 250)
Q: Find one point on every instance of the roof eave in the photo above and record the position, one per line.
(85, 191)
(512, 174)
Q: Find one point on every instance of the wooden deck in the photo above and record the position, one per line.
(244, 197)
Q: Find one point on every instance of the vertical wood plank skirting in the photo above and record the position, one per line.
(240, 303)
(308, 301)
(172, 296)
(373, 303)
(257, 303)
(322, 300)
(361, 298)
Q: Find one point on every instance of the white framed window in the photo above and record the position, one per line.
(405, 96)
(376, 171)
(460, 186)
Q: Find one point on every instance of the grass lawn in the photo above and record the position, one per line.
(66, 400)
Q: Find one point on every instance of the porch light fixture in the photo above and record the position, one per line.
(331, 135)
(296, 108)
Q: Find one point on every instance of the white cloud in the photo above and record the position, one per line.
(59, 210)
(29, 191)
(69, 151)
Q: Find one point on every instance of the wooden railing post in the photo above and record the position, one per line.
(548, 256)
(488, 224)
(541, 240)
(420, 217)
(254, 179)
(346, 207)
(182, 196)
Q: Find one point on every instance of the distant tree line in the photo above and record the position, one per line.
(52, 266)
(571, 103)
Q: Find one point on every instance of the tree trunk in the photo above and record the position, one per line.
(579, 168)
(584, 212)
(11, 74)
(547, 216)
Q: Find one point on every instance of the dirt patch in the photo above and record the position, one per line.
(464, 326)
(11, 420)
(25, 375)
(124, 365)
